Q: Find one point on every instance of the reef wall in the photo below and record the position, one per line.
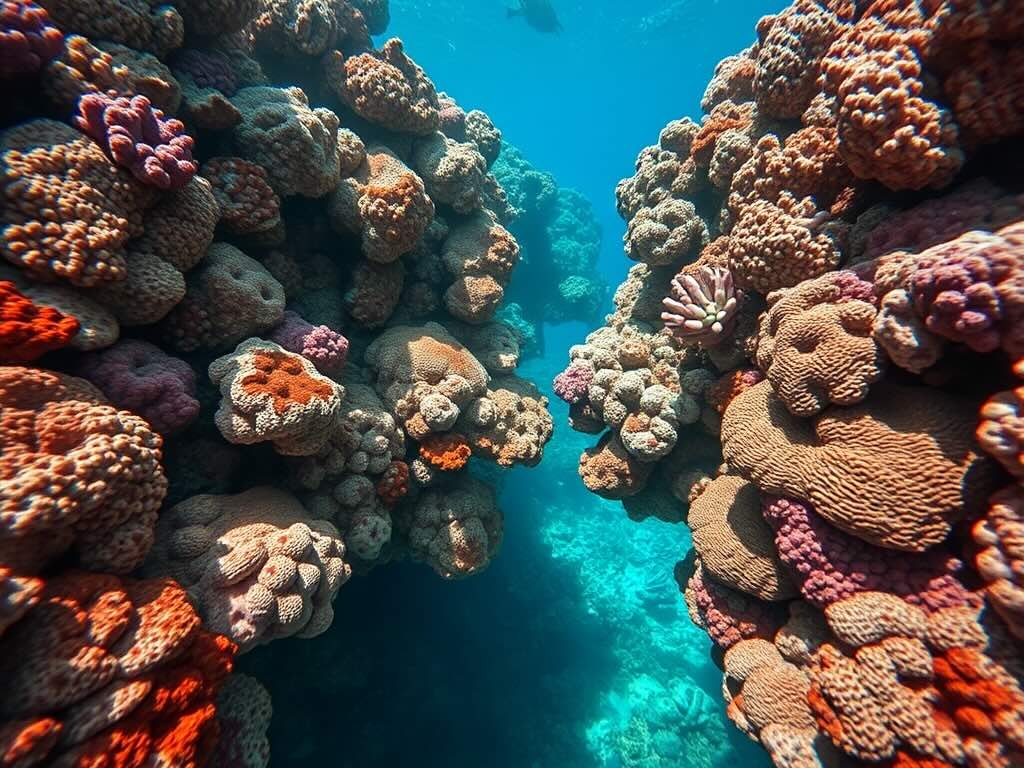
(251, 265)
(816, 364)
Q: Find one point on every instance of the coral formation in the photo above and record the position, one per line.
(169, 284)
(856, 541)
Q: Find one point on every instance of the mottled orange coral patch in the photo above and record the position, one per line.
(284, 379)
(394, 483)
(447, 451)
(724, 117)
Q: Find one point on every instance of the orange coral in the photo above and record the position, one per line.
(284, 379)
(722, 392)
(724, 117)
(394, 483)
(28, 331)
(106, 673)
(447, 451)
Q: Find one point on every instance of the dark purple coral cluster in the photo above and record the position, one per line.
(846, 443)
(28, 39)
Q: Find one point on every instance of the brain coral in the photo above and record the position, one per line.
(456, 531)
(914, 444)
(110, 671)
(256, 564)
(75, 474)
(296, 145)
(270, 394)
(385, 87)
(735, 545)
(814, 343)
(68, 210)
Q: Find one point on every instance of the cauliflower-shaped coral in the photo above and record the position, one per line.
(453, 172)
(28, 41)
(247, 202)
(510, 423)
(456, 531)
(481, 254)
(256, 564)
(325, 348)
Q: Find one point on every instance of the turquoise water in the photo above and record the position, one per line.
(574, 648)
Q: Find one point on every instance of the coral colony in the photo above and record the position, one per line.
(253, 347)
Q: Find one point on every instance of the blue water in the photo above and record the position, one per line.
(574, 648)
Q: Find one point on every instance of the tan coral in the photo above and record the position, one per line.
(269, 394)
(510, 423)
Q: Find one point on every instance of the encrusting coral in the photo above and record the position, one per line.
(857, 553)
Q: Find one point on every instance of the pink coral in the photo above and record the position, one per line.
(832, 565)
(971, 289)
(727, 615)
(142, 378)
(702, 307)
(571, 384)
(28, 40)
(325, 348)
(135, 135)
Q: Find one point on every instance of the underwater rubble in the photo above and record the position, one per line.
(816, 364)
(251, 268)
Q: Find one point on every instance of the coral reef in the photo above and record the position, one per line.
(844, 439)
(246, 354)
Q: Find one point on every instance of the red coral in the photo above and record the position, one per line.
(28, 331)
(394, 483)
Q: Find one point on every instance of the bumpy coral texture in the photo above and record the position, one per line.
(325, 348)
(971, 289)
(244, 710)
(136, 136)
(727, 615)
(28, 330)
(481, 254)
(105, 671)
(913, 443)
(257, 565)
(510, 423)
(831, 565)
(247, 202)
(229, 297)
(448, 451)
(28, 41)
(457, 531)
(270, 394)
(453, 172)
(1001, 429)
(999, 536)
(209, 18)
(140, 377)
(75, 473)
(888, 129)
(135, 23)
(387, 88)
(571, 384)
(814, 343)
(385, 203)
(296, 145)
(51, 167)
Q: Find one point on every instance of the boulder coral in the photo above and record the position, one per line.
(255, 564)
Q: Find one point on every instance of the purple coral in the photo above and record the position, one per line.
(28, 40)
(207, 70)
(971, 290)
(571, 384)
(325, 348)
(702, 308)
(135, 135)
(832, 565)
(727, 615)
(142, 378)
